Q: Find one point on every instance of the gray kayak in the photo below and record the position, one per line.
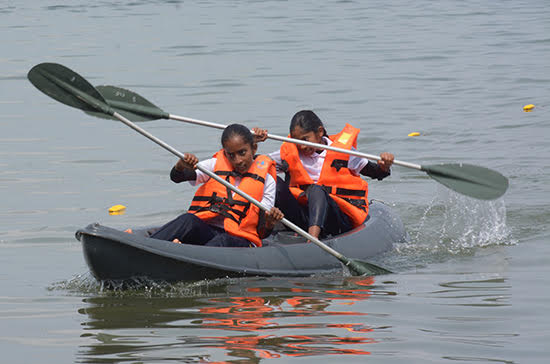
(113, 255)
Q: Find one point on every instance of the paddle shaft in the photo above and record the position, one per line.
(251, 199)
(298, 141)
(474, 181)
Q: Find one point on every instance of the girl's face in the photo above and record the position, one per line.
(308, 136)
(239, 153)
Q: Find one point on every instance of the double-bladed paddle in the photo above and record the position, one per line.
(69, 88)
(467, 179)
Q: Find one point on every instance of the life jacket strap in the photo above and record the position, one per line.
(254, 176)
(339, 164)
(217, 199)
(219, 209)
(222, 206)
(283, 167)
(348, 192)
(227, 173)
(339, 191)
(357, 202)
(328, 189)
(235, 174)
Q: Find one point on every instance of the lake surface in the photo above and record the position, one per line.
(469, 287)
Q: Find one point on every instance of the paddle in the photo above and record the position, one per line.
(68, 87)
(467, 179)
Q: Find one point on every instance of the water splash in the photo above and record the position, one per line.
(85, 284)
(457, 225)
(81, 284)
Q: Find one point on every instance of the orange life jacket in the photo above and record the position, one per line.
(240, 216)
(349, 191)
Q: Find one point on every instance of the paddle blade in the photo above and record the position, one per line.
(67, 87)
(131, 105)
(474, 181)
(360, 268)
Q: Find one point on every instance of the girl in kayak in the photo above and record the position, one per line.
(323, 191)
(217, 216)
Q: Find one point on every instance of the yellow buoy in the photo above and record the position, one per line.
(528, 108)
(414, 133)
(117, 210)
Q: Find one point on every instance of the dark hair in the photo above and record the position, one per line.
(240, 130)
(308, 121)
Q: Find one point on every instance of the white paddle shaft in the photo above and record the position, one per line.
(298, 141)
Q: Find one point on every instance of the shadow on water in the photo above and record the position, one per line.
(244, 319)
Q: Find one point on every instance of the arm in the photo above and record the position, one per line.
(260, 135)
(267, 221)
(374, 171)
(182, 176)
(184, 169)
(379, 170)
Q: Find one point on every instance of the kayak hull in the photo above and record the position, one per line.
(113, 255)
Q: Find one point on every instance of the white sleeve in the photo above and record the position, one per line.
(268, 199)
(207, 164)
(356, 164)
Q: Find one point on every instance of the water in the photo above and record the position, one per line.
(468, 287)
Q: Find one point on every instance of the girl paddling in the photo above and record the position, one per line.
(323, 191)
(217, 216)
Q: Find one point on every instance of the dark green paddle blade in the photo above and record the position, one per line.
(361, 268)
(474, 181)
(131, 105)
(67, 87)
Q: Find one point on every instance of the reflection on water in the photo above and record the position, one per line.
(250, 319)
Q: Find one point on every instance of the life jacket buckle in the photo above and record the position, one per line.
(215, 207)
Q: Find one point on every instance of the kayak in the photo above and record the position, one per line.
(114, 255)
